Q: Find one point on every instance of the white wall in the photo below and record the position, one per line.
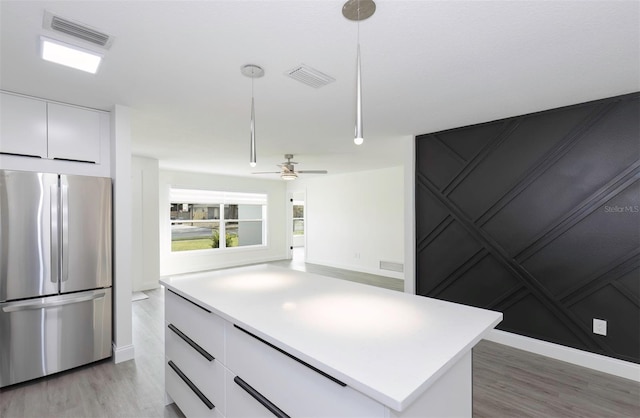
(409, 215)
(122, 246)
(189, 261)
(145, 223)
(354, 221)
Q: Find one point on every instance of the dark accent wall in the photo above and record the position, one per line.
(538, 217)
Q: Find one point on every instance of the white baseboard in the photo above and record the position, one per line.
(122, 354)
(377, 272)
(593, 361)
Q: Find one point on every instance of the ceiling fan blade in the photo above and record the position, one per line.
(312, 171)
(266, 172)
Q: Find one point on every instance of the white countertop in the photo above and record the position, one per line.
(386, 344)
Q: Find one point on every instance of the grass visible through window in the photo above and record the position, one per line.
(199, 244)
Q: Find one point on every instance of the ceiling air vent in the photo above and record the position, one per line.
(309, 76)
(77, 30)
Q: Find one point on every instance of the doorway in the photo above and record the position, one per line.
(297, 226)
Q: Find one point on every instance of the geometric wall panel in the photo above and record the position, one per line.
(465, 143)
(592, 244)
(526, 144)
(538, 216)
(441, 170)
(533, 318)
(437, 214)
(482, 284)
(451, 248)
(589, 165)
(622, 336)
(630, 283)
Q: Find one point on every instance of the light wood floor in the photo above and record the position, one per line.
(298, 263)
(507, 382)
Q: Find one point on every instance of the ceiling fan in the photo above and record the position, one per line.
(288, 172)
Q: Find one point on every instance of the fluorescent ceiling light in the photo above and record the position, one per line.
(69, 55)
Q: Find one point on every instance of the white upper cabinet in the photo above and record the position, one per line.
(23, 126)
(32, 127)
(74, 133)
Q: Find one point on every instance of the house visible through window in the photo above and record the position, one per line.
(206, 220)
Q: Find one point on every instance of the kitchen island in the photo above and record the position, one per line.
(264, 340)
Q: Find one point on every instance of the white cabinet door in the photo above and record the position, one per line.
(207, 375)
(184, 396)
(23, 126)
(240, 403)
(294, 387)
(74, 133)
(201, 326)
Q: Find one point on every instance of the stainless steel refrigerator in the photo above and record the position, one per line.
(55, 273)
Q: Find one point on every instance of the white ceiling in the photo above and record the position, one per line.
(426, 66)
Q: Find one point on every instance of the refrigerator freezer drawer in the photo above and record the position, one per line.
(42, 336)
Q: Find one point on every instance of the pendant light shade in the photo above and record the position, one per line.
(358, 10)
(252, 128)
(252, 71)
(358, 138)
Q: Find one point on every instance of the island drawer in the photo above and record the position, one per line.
(197, 323)
(206, 373)
(242, 405)
(185, 397)
(295, 387)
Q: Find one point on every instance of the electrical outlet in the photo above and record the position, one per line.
(599, 326)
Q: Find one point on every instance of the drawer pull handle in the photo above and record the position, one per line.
(328, 376)
(192, 343)
(190, 301)
(193, 387)
(260, 398)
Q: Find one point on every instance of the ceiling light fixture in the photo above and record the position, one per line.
(358, 10)
(252, 71)
(288, 176)
(69, 55)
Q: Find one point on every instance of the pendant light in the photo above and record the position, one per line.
(358, 10)
(252, 71)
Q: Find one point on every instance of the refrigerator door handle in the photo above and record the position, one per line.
(65, 232)
(41, 304)
(55, 244)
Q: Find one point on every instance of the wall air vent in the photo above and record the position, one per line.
(76, 29)
(309, 76)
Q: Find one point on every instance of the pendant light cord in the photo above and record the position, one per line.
(253, 121)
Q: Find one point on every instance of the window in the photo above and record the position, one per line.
(298, 218)
(200, 218)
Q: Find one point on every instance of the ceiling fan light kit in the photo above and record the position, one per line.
(358, 10)
(252, 71)
(288, 172)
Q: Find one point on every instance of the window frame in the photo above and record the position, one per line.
(221, 199)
